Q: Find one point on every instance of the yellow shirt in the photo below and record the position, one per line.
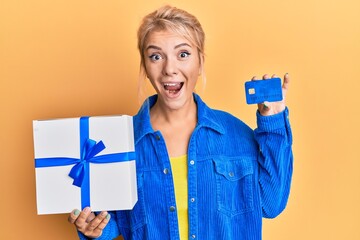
(179, 171)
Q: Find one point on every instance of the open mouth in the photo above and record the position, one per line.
(173, 87)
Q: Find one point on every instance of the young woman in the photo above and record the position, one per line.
(202, 173)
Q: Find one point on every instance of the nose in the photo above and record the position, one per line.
(170, 67)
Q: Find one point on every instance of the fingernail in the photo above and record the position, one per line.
(265, 106)
(108, 216)
(87, 209)
(76, 212)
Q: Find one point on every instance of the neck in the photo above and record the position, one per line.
(162, 114)
(175, 125)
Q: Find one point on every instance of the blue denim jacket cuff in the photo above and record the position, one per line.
(273, 122)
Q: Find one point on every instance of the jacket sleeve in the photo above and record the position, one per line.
(111, 230)
(275, 161)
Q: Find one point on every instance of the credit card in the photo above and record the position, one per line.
(269, 90)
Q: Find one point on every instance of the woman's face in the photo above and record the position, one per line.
(172, 64)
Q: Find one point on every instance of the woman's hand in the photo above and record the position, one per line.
(271, 108)
(87, 223)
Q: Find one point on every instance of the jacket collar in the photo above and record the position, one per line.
(206, 118)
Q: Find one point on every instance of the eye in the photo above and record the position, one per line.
(155, 57)
(184, 54)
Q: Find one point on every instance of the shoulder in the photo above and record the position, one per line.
(230, 123)
(218, 117)
(236, 136)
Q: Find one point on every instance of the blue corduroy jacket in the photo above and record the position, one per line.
(236, 176)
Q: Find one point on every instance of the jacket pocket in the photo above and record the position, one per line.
(234, 185)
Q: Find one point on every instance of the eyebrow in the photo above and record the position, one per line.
(159, 48)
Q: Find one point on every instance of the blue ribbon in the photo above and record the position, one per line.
(88, 151)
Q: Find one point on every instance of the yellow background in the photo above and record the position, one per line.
(66, 58)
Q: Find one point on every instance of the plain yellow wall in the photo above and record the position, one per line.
(67, 58)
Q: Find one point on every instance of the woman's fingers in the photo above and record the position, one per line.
(265, 106)
(266, 76)
(97, 225)
(104, 222)
(96, 221)
(87, 223)
(286, 82)
(73, 216)
(79, 219)
(90, 217)
(81, 222)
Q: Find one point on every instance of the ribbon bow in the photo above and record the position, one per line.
(89, 150)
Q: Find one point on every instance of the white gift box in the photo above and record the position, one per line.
(109, 176)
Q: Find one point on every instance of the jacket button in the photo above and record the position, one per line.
(166, 171)
(172, 209)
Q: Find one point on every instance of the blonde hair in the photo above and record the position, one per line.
(176, 20)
